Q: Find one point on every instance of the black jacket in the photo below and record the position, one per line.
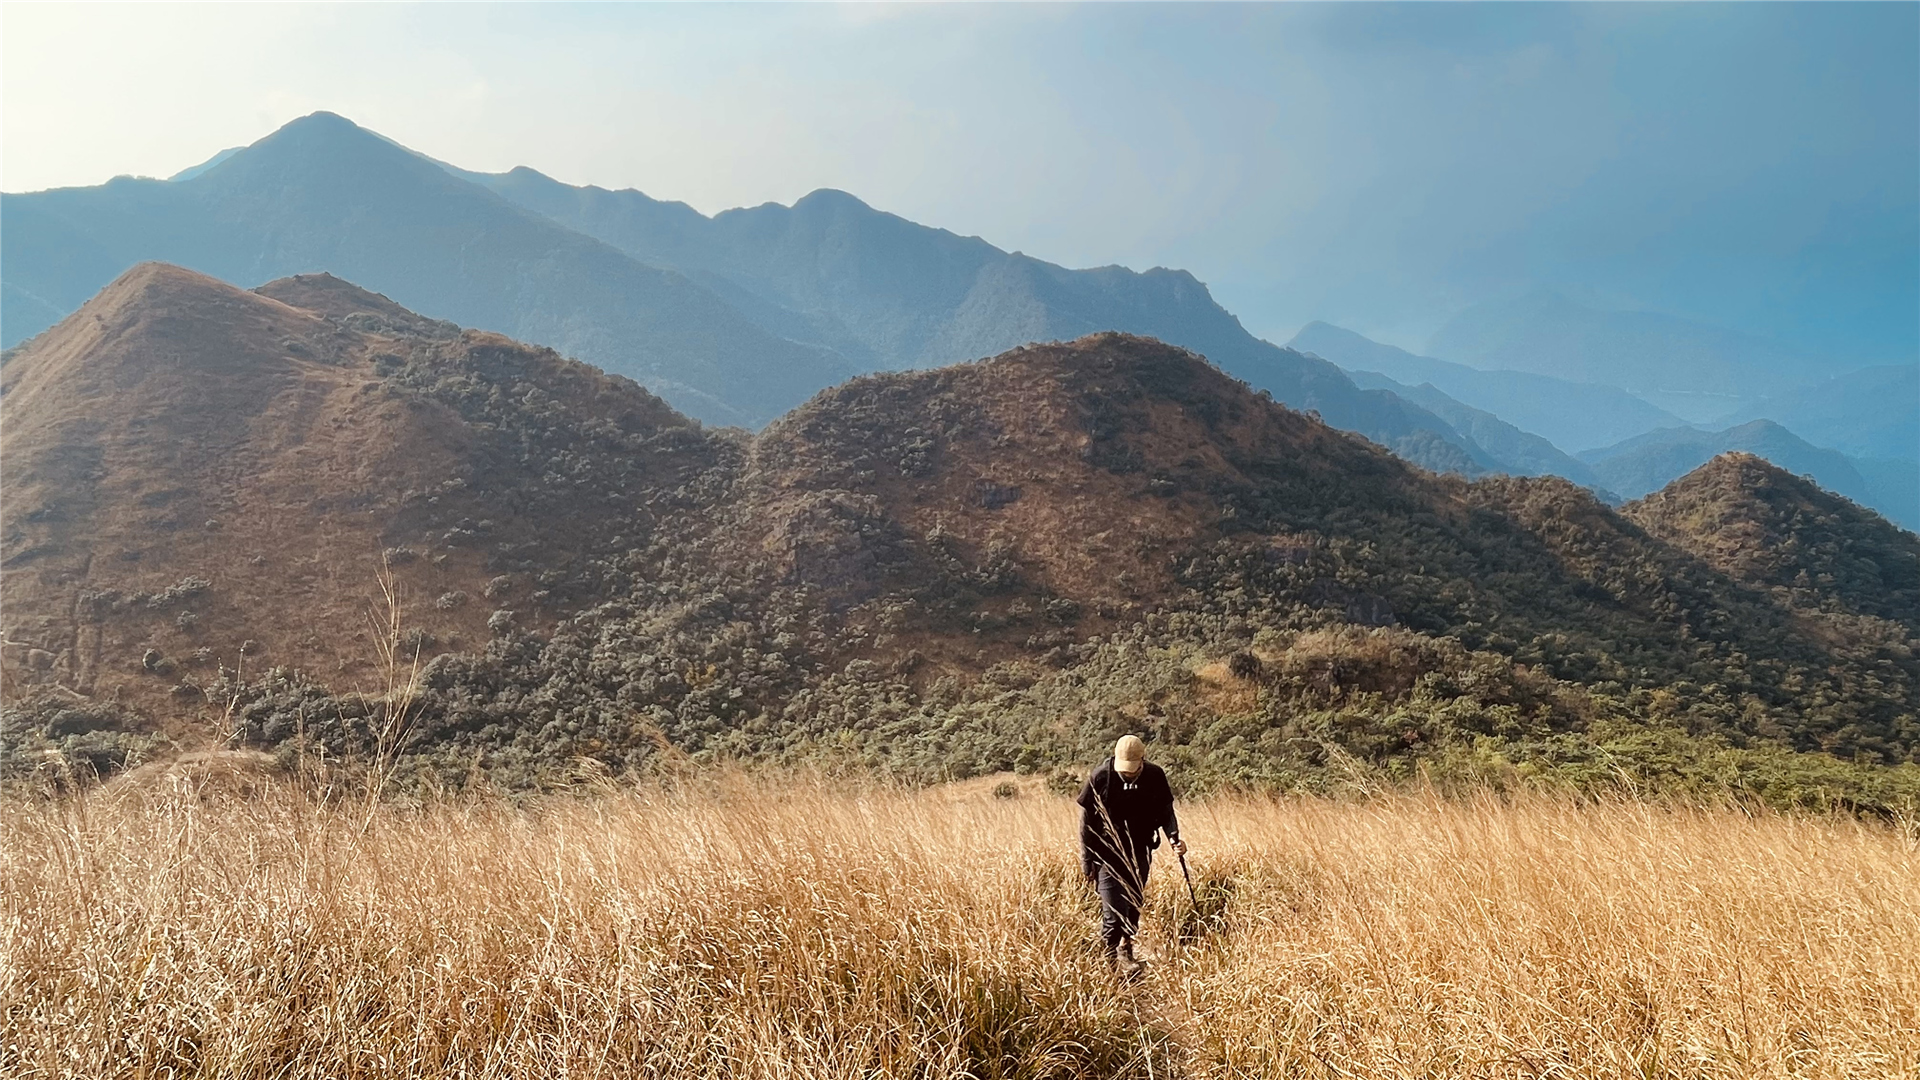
(1119, 817)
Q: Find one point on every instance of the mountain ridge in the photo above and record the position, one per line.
(904, 295)
(1646, 459)
(412, 230)
(727, 346)
(943, 572)
(1574, 416)
(1696, 370)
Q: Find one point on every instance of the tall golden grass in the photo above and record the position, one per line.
(753, 927)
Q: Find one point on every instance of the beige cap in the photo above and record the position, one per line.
(1129, 753)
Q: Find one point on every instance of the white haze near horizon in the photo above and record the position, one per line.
(1380, 167)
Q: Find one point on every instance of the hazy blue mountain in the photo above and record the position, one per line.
(1520, 453)
(1894, 484)
(733, 318)
(1574, 416)
(891, 294)
(195, 170)
(1695, 371)
(1873, 412)
(868, 283)
(322, 194)
(1649, 462)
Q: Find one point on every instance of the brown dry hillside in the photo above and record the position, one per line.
(1045, 494)
(994, 565)
(191, 467)
(1768, 527)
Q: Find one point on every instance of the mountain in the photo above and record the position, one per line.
(1870, 413)
(1893, 488)
(322, 194)
(891, 294)
(1766, 527)
(1522, 453)
(1574, 416)
(991, 565)
(1649, 462)
(734, 319)
(1696, 371)
(188, 463)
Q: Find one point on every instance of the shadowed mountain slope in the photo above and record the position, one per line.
(993, 565)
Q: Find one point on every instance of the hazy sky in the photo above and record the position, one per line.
(1375, 166)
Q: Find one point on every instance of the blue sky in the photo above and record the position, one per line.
(1381, 167)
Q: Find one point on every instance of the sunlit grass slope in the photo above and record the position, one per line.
(756, 929)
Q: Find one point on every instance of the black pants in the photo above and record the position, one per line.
(1120, 896)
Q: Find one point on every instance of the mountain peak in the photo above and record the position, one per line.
(159, 276)
(1760, 428)
(157, 318)
(149, 288)
(315, 142)
(830, 199)
(335, 298)
(1765, 526)
(1742, 470)
(321, 120)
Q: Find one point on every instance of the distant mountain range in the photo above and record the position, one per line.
(1575, 416)
(738, 317)
(1521, 452)
(1883, 404)
(1649, 462)
(324, 195)
(1870, 413)
(1646, 463)
(1695, 371)
(734, 319)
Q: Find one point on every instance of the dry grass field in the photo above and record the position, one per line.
(740, 927)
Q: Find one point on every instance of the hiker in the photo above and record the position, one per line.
(1124, 804)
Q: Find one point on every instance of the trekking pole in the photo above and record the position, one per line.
(1192, 897)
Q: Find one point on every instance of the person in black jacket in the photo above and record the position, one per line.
(1124, 805)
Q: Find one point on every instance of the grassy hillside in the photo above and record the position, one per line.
(190, 463)
(999, 565)
(740, 929)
